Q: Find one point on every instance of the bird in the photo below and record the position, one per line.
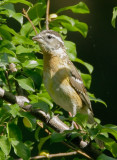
(61, 78)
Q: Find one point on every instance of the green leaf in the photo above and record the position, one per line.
(113, 21)
(38, 10)
(10, 30)
(57, 137)
(93, 98)
(5, 34)
(41, 105)
(73, 24)
(20, 49)
(5, 145)
(105, 157)
(16, 16)
(14, 110)
(16, 1)
(86, 80)
(14, 131)
(71, 49)
(20, 149)
(87, 65)
(109, 128)
(42, 141)
(78, 8)
(31, 118)
(46, 100)
(27, 27)
(18, 39)
(81, 119)
(30, 64)
(2, 155)
(6, 50)
(26, 83)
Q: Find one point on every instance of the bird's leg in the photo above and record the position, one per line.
(73, 123)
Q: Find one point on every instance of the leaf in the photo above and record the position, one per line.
(93, 98)
(5, 34)
(73, 24)
(71, 49)
(2, 155)
(10, 30)
(38, 10)
(30, 64)
(27, 27)
(113, 21)
(19, 39)
(14, 110)
(81, 119)
(20, 49)
(31, 118)
(46, 100)
(20, 149)
(42, 141)
(6, 50)
(26, 83)
(57, 137)
(86, 80)
(109, 128)
(5, 145)
(78, 8)
(105, 157)
(14, 131)
(41, 105)
(16, 16)
(16, 1)
(87, 65)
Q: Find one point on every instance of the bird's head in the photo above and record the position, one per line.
(50, 42)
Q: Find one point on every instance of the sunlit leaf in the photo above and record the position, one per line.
(71, 49)
(30, 64)
(30, 118)
(20, 149)
(73, 24)
(5, 145)
(93, 98)
(113, 21)
(16, 1)
(86, 80)
(17, 16)
(78, 8)
(87, 65)
(26, 83)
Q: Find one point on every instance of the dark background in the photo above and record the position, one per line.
(98, 49)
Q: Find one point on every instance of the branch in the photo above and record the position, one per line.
(54, 122)
(26, 15)
(47, 14)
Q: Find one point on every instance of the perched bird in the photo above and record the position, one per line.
(61, 78)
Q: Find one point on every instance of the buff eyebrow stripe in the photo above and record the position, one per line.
(60, 40)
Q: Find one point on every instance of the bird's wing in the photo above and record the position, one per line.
(77, 83)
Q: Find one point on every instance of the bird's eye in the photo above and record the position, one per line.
(49, 36)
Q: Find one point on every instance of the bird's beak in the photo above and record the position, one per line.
(35, 38)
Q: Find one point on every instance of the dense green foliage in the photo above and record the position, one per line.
(20, 136)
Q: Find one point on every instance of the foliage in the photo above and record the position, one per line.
(21, 67)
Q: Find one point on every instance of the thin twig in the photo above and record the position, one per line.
(78, 151)
(47, 14)
(26, 15)
(54, 155)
